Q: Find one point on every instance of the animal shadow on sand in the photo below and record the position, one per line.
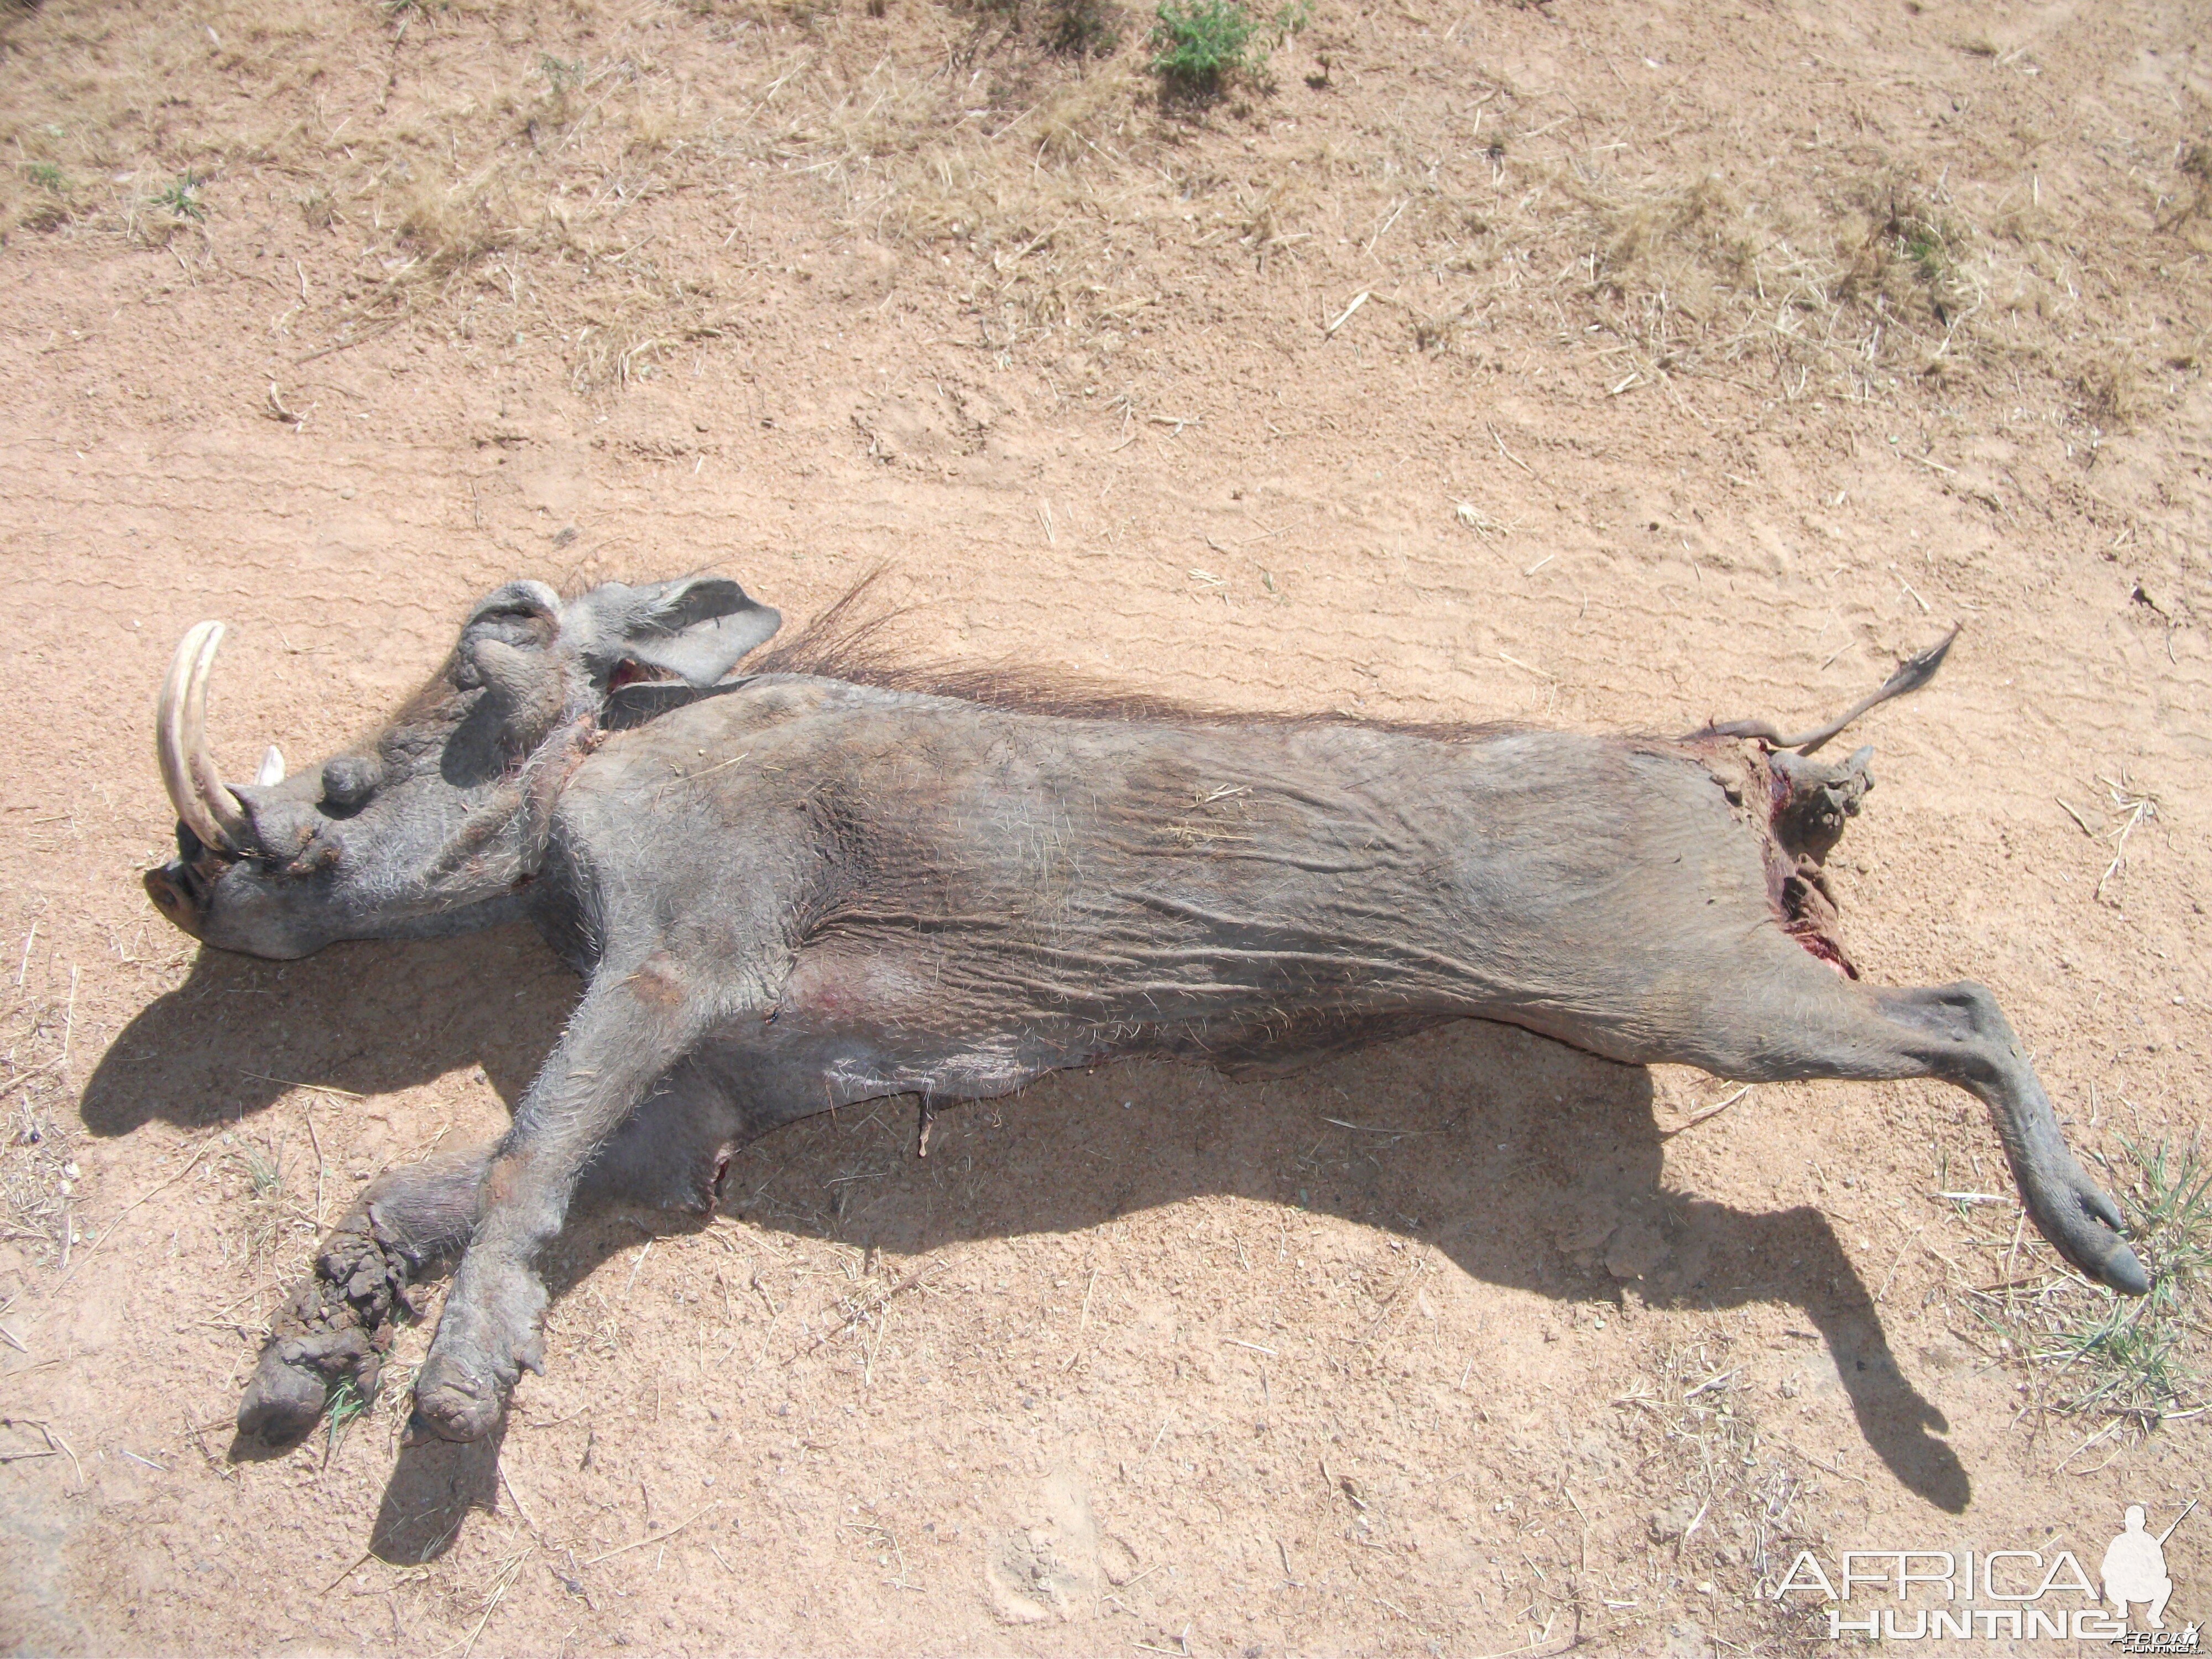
(1527, 1163)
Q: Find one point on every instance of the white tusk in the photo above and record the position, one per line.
(272, 767)
(207, 777)
(169, 739)
(195, 789)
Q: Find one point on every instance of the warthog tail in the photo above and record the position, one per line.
(1912, 674)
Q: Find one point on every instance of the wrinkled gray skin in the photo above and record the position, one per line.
(788, 893)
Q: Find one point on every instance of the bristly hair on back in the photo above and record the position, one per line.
(850, 641)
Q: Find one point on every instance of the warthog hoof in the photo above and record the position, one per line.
(488, 1334)
(293, 1381)
(2087, 1227)
(2124, 1273)
(453, 1402)
(335, 1329)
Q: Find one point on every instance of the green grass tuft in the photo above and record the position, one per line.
(2133, 1362)
(2129, 1356)
(182, 197)
(261, 1173)
(348, 1405)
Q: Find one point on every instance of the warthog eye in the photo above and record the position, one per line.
(349, 780)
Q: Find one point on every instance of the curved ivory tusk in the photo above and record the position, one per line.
(169, 739)
(206, 776)
(195, 789)
(272, 767)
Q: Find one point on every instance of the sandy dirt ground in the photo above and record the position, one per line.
(1604, 365)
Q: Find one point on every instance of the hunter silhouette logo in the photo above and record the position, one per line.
(2002, 1596)
(2134, 1568)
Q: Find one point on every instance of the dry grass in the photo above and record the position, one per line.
(1734, 1498)
(1734, 1507)
(2186, 211)
(484, 183)
(516, 180)
(39, 1209)
(255, 1165)
(1695, 276)
(2108, 392)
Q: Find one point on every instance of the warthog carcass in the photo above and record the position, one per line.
(830, 880)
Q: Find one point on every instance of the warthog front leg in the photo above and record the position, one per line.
(337, 1326)
(630, 1028)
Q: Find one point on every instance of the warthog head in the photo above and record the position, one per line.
(427, 826)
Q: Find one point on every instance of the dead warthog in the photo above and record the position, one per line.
(831, 880)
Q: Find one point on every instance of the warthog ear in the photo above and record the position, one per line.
(697, 628)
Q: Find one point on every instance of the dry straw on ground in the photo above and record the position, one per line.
(531, 186)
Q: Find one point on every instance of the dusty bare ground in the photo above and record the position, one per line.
(1610, 365)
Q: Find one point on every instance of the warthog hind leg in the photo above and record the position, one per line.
(1784, 1016)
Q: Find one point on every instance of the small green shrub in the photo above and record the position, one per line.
(1195, 47)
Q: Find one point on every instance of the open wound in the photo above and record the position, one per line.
(1808, 803)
